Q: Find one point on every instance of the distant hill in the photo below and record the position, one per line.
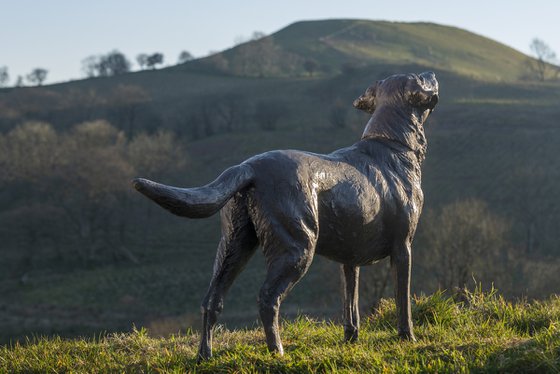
(335, 45)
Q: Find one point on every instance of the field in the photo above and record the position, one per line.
(481, 333)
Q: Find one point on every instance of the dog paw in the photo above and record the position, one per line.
(203, 355)
(351, 335)
(407, 335)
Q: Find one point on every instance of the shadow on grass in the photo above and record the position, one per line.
(540, 354)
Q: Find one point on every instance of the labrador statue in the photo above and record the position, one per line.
(355, 206)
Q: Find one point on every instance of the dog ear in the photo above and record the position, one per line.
(419, 97)
(366, 102)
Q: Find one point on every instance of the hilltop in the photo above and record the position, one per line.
(336, 45)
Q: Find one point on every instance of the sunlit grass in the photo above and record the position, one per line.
(481, 333)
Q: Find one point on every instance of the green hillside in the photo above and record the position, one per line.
(334, 44)
(87, 254)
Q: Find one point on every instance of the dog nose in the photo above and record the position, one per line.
(433, 101)
(429, 80)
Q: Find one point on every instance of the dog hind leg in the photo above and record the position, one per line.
(238, 244)
(283, 272)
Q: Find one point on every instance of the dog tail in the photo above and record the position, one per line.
(199, 202)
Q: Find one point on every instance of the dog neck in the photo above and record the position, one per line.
(396, 125)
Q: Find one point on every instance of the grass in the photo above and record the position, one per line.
(481, 333)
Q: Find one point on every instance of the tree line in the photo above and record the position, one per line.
(256, 56)
(545, 64)
(110, 64)
(68, 192)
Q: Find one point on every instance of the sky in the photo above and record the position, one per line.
(58, 34)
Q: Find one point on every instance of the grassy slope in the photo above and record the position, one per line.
(335, 42)
(482, 334)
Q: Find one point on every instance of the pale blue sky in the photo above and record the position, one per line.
(58, 34)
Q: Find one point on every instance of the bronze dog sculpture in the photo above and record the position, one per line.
(355, 206)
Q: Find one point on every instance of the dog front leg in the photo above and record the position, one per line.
(401, 263)
(351, 316)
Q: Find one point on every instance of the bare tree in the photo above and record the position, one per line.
(30, 226)
(154, 59)
(76, 188)
(85, 100)
(230, 109)
(463, 238)
(27, 156)
(217, 112)
(256, 35)
(185, 56)
(216, 62)
(114, 63)
(158, 155)
(545, 59)
(92, 168)
(126, 100)
(90, 65)
(310, 66)
(268, 113)
(142, 60)
(338, 113)
(29, 152)
(37, 76)
(4, 76)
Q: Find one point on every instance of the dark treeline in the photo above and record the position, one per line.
(132, 108)
(65, 195)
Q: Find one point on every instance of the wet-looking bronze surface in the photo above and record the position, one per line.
(355, 206)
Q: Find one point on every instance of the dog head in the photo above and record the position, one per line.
(419, 91)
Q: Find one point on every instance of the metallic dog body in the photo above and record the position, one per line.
(355, 206)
